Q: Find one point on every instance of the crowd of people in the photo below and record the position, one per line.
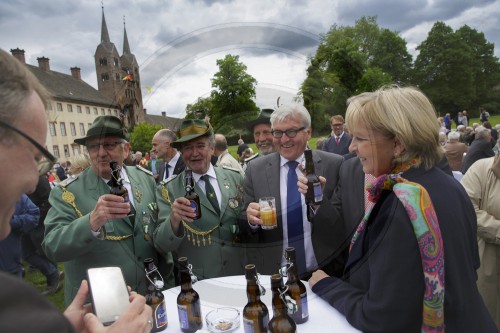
(397, 244)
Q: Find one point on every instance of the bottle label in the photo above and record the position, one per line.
(248, 325)
(160, 315)
(318, 192)
(194, 206)
(305, 309)
(183, 316)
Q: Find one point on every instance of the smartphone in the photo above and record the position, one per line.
(108, 292)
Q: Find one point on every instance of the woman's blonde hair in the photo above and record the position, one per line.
(401, 113)
(79, 163)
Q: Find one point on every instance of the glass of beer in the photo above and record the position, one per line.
(268, 213)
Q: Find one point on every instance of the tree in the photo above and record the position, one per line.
(201, 108)
(141, 136)
(232, 99)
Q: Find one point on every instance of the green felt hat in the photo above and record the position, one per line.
(104, 126)
(263, 118)
(191, 129)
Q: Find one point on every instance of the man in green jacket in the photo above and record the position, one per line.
(88, 227)
(210, 243)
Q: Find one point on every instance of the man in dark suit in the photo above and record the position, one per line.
(339, 140)
(268, 176)
(172, 162)
(480, 148)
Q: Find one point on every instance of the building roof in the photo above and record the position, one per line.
(164, 121)
(66, 87)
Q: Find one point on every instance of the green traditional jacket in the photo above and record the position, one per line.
(210, 243)
(68, 237)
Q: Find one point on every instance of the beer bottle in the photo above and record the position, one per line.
(296, 289)
(314, 195)
(154, 296)
(188, 301)
(281, 322)
(117, 187)
(191, 195)
(255, 313)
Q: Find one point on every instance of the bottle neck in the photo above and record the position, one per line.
(309, 164)
(253, 291)
(279, 307)
(186, 283)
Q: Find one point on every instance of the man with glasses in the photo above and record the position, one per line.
(275, 175)
(210, 242)
(89, 227)
(23, 131)
(339, 140)
(172, 163)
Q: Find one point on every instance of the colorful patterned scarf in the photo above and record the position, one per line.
(423, 218)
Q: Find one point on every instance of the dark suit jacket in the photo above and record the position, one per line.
(341, 148)
(262, 179)
(179, 167)
(383, 287)
(478, 149)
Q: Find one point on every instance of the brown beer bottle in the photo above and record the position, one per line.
(117, 187)
(188, 301)
(314, 195)
(296, 289)
(154, 296)
(191, 195)
(281, 322)
(255, 313)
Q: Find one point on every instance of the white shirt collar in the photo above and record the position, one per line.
(210, 172)
(299, 160)
(174, 159)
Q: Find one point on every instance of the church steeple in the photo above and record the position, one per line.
(104, 29)
(126, 46)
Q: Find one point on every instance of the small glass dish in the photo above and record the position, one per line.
(223, 320)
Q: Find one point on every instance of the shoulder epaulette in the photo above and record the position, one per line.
(144, 169)
(229, 168)
(251, 157)
(68, 181)
(172, 177)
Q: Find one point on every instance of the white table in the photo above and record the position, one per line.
(231, 291)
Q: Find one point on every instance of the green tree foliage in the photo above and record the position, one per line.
(351, 60)
(457, 70)
(141, 136)
(200, 109)
(232, 101)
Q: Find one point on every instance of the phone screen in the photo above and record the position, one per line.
(109, 293)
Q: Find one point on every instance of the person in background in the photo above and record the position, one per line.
(137, 158)
(493, 131)
(389, 262)
(172, 164)
(447, 121)
(24, 220)
(454, 151)
(23, 131)
(480, 148)
(80, 163)
(339, 140)
(241, 148)
(442, 139)
(482, 183)
(154, 164)
(61, 171)
(224, 158)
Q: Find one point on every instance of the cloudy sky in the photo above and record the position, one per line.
(177, 42)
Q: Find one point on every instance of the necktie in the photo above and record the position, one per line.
(210, 193)
(337, 139)
(166, 171)
(294, 217)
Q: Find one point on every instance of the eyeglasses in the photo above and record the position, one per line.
(337, 125)
(291, 133)
(43, 165)
(108, 146)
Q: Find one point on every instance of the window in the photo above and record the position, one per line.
(105, 77)
(87, 110)
(59, 107)
(103, 62)
(66, 150)
(76, 150)
(116, 62)
(103, 112)
(70, 108)
(52, 129)
(82, 129)
(116, 113)
(55, 150)
(78, 109)
(72, 128)
(95, 111)
(109, 111)
(63, 129)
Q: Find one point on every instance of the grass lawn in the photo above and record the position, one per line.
(38, 280)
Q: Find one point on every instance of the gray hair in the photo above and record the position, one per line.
(454, 136)
(167, 134)
(288, 111)
(482, 132)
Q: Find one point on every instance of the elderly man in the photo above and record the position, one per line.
(23, 131)
(172, 163)
(454, 151)
(89, 227)
(276, 175)
(480, 148)
(339, 140)
(211, 242)
(224, 158)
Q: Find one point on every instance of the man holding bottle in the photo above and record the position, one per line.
(211, 242)
(269, 177)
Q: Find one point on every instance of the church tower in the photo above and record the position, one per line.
(118, 77)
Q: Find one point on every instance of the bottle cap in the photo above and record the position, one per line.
(250, 272)
(159, 284)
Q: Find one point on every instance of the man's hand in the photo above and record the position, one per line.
(253, 214)
(78, 309)
(181, 211)
(316, 277)
(136, 318)
(302, 183)
(108, 207)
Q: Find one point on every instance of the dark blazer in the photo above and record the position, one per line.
(341, 148)
(383, 286)
(179, 167)
(262, 178)
(477, 150)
